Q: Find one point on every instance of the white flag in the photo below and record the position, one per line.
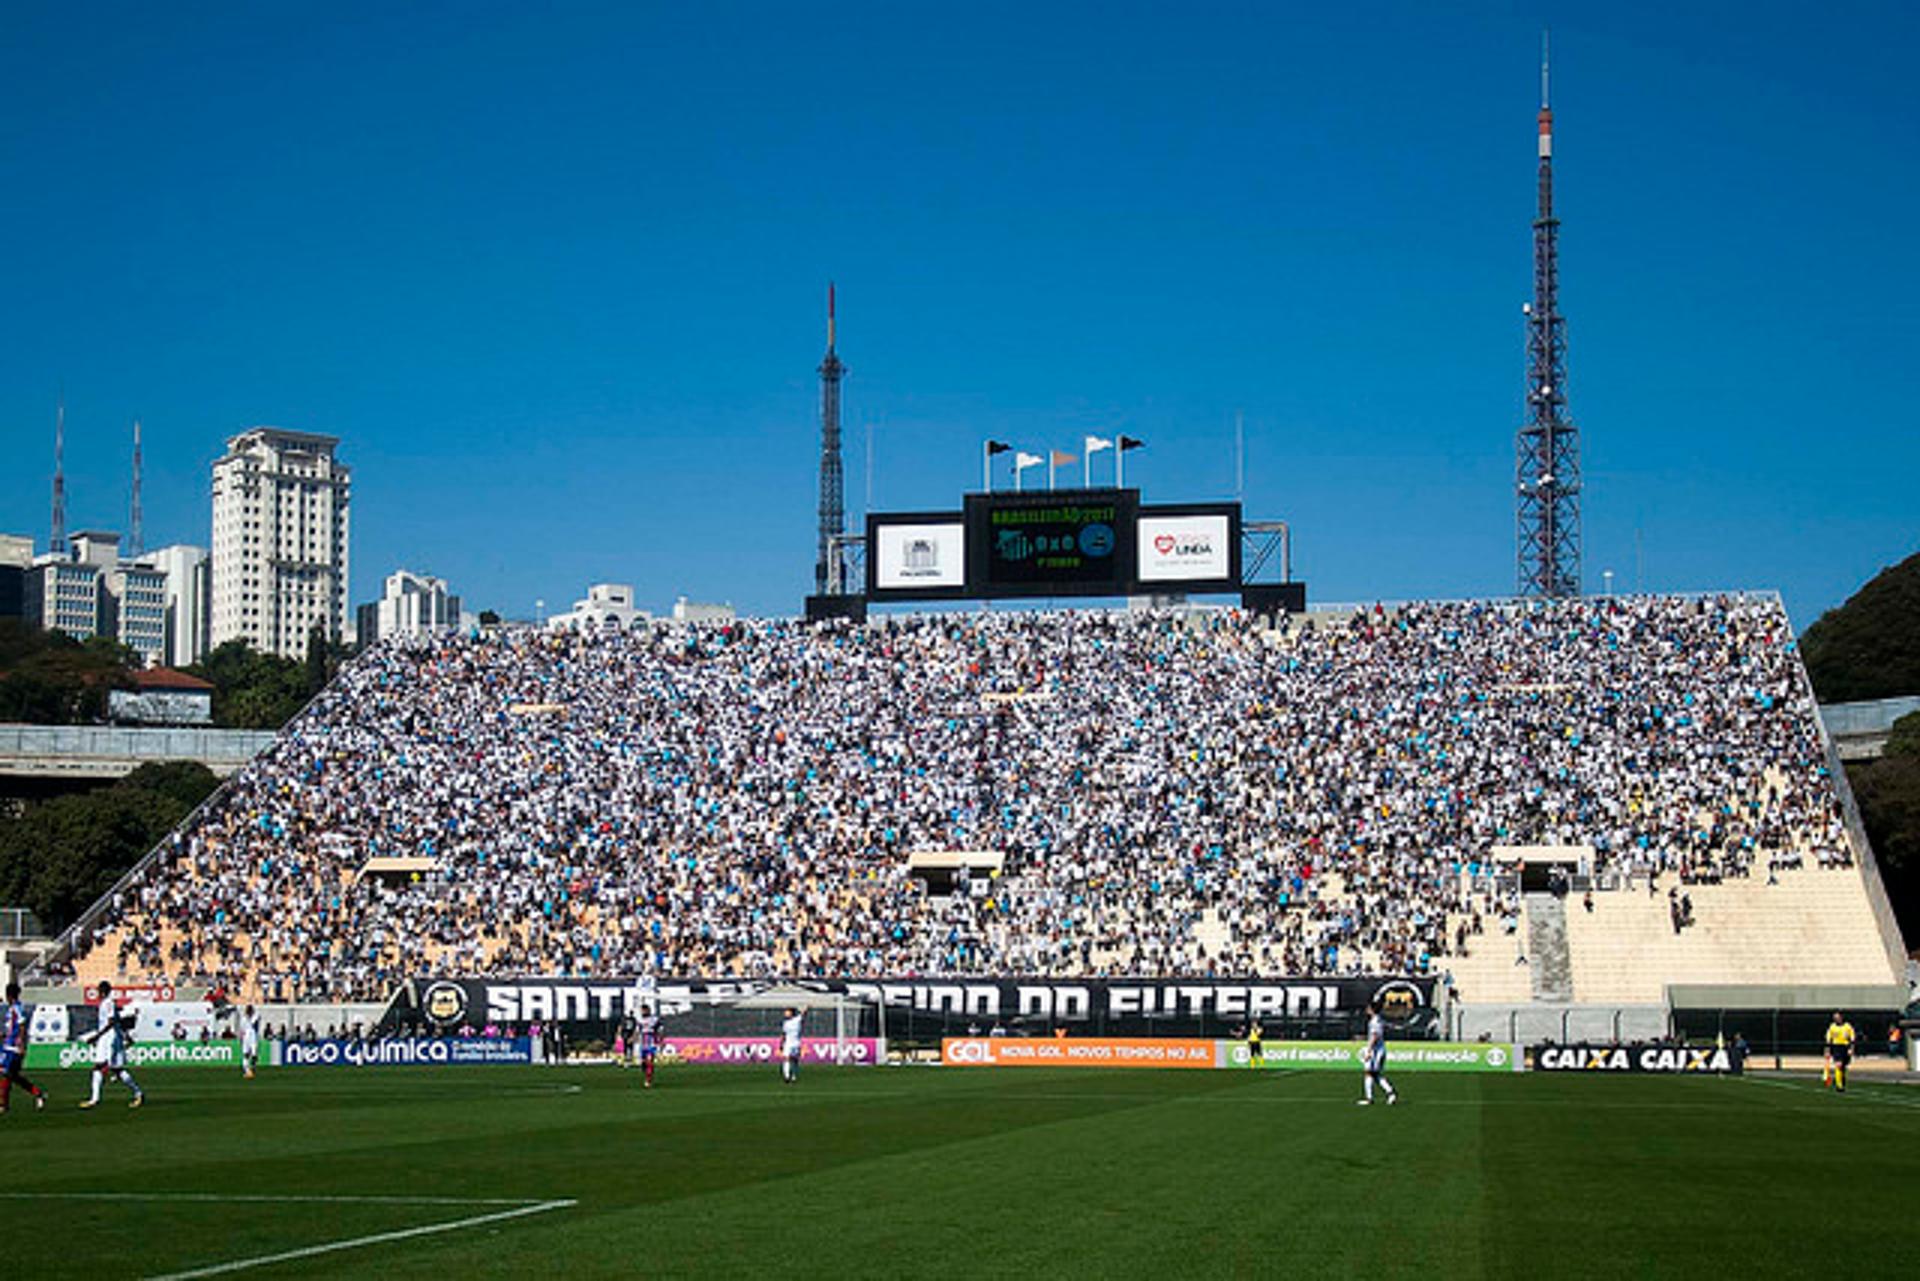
(1097, 443)
(1023, 460)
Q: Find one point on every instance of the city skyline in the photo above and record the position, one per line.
(566, 320)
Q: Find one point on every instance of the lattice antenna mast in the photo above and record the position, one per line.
(57, 536)
(1547, 474)
(135, 544)
(833, 499)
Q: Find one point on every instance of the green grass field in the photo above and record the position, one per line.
(914, 1172)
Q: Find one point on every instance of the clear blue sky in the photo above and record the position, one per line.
(556, 274)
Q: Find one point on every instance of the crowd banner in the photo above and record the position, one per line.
(1402, 1056)
(1637, 1057)
(854, 1051)
(140, 1054)
(402, 1051)
(1204, 1008)
(1070, 1051)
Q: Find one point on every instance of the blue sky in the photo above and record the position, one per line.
(556, 274)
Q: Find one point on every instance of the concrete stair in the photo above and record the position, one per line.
(1549, 957)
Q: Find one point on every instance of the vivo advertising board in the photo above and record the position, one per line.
(920, 555)
(1186, 549)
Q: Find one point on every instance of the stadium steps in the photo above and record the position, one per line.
(1815, 927)
(1491, 970)
(1550, 960)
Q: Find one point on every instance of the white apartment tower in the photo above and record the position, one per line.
(279, 541)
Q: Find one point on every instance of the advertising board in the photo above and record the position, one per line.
(403, 1051)
(1188, 549)
(1104, 1007)
(1402, 1056)
(1638, 1057)
(855, 1051)
(1047, 1051)
(919, 555)
(140, 1054)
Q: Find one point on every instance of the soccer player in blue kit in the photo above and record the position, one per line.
(13, 1051)
(1374, 1059)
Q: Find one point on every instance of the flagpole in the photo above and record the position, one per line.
(986, 466)
(1052, 466)
(1086, 467)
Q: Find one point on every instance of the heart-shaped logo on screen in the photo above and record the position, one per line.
(1163, 544)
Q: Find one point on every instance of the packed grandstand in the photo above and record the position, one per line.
(1194, 793)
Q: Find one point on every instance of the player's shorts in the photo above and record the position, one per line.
(647, 1053)
(1840, 1054)
(1375, 1058)
(10, 1063)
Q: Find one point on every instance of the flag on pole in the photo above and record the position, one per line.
(1121, 447)
(1094, 445)
(1022, 461)
(1056, 458)
(986, 462)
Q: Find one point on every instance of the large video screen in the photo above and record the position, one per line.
(1072, 543)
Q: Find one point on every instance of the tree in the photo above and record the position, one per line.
(48, 678)
(1870, 646)
(489, 618)
(57, 857)
(1904, 738)
(316, 661)
(252, 690)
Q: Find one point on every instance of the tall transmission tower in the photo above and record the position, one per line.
(1547, 474)
(57, 535)
(135, 543)
(833, 498)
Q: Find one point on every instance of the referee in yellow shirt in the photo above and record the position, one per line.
(1840, 1038)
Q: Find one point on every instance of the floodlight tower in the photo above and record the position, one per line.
(833, 501)
(1547, 474)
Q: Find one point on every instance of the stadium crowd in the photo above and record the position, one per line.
(1166, 793)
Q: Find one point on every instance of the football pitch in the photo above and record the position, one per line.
(494, 1171)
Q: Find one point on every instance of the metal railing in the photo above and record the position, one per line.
(105, 742)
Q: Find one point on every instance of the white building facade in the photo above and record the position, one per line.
(280, 541)
(189, 571)
(410, 605)
(608, 607)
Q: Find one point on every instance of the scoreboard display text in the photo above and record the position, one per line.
(1051, 544)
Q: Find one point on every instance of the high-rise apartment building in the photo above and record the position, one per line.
(188, 571)
(279, 541)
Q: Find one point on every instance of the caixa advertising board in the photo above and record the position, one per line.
(1692, 1060)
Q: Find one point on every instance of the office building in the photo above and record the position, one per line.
(411, 605)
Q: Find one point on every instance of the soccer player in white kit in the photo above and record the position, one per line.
(110, 1050)
(790, 1046)
(1374, 1059)
(249, 1041)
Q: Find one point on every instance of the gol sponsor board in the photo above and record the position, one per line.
(1142, 1052)
(1402, 1056)
(141, 1054)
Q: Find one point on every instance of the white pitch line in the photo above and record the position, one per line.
(250, 1198)
(354, 1243)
